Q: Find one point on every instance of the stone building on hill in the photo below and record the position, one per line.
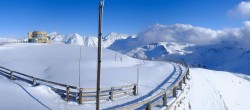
(38, 37)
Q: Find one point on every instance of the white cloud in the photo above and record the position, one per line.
(242, 10)
(179, 33)
(246, 23)
(184, 33)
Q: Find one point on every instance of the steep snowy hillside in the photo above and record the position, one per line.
(214, 90)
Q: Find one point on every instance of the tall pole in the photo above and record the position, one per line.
(99, 56)
(137, 80)
(79, 75)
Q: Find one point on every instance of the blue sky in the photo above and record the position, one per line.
(123, 16)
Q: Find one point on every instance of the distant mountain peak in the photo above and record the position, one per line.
(114, 35)
(159, 50)
(88, 40)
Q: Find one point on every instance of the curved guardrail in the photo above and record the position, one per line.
(160, 99)
(72, 93)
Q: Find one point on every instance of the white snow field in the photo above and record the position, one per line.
(59, 63)
(215, 90)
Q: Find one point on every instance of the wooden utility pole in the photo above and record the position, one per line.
(99, 55)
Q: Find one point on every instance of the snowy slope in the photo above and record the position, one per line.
(59, 62)
(18, 96)
(215, 90)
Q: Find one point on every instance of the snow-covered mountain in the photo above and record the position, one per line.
(159, 50)
(226, 49)
(227, 56)
(56, 37)
(89, 41)
(113, 37)
(73, 39)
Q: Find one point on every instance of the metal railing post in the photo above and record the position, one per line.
(164, 98)
(67, 93)
(34, 82)
(184, 79)
(180, 84)
(135, 90)
(11, 74)
(111, 97)
(148, 106)
(174, 92)
(80, 96)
